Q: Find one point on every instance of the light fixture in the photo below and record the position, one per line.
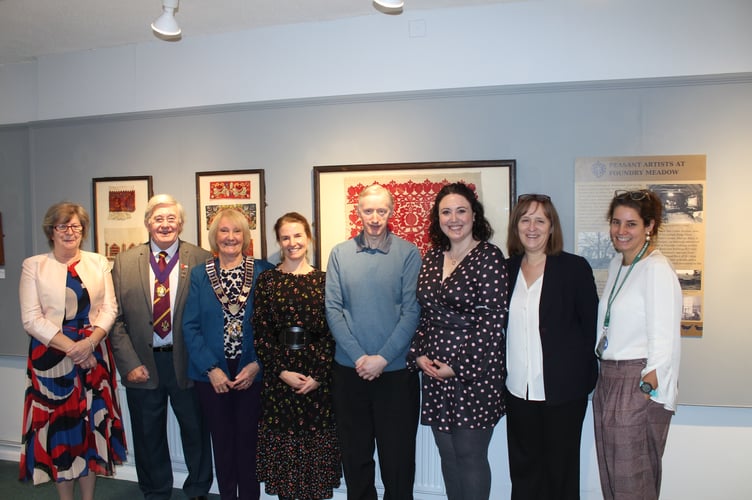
(389, 6)
(166, 25)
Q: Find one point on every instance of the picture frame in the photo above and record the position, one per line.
(414, 187)
(2, 240)
(243, 189)
(119, 204)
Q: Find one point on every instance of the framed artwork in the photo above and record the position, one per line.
(414, 187)
(243, 189)
(119, 206)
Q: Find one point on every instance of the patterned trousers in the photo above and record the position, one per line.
(630, 433)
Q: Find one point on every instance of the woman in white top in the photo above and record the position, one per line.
(551, 367)
(639, 342)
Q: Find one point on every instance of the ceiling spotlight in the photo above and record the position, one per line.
(166, 25)
(389, 6)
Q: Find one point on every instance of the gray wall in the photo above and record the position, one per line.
(18, 225)
(543, 127)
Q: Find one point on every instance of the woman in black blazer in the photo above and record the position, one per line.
(551, 366)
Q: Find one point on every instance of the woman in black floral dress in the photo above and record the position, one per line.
(298, 453)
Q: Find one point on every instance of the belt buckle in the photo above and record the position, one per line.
(297, 342)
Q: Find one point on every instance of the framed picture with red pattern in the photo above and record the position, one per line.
(241, 189)
(118, 215)
(414, 187)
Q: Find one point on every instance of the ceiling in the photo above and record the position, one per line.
(32, 28)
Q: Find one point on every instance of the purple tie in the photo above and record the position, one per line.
(161, 308)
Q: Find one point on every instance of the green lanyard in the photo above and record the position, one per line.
(615, 291)
(603, 343)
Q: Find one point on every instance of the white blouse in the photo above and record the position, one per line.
(645, 320)
(524, 349)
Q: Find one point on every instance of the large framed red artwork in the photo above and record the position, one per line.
(414, 187)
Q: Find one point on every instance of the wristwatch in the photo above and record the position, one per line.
(647, 388)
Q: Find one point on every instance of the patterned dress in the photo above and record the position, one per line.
(72, 424)
(298, 452)
(462, 324)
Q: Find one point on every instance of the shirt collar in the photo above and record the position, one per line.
(362, 245)
(171, 250)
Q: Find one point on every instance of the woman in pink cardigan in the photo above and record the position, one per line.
(72, 428)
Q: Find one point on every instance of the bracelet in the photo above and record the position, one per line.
(91, 344)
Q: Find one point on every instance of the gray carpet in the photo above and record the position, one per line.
(107, 488)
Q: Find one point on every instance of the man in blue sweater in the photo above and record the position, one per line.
(373, 313)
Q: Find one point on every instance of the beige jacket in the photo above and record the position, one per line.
(41, 293)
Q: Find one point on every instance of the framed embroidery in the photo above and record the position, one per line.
(118, 215)
(242, 189)
(414, 187)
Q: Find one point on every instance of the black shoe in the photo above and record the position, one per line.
(201, 497)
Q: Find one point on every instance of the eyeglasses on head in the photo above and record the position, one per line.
(637, 195)
(540, 198)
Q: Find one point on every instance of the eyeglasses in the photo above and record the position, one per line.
(63, 228)
(159, 219)
(632, 195)
(540, 198)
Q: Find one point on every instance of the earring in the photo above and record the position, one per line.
(647, 236)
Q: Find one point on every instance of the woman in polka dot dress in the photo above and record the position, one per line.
(459, 344)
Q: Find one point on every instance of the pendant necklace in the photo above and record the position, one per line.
(456, 260)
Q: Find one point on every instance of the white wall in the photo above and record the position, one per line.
(518, 42)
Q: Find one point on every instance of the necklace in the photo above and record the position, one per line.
(233, 307)
(454, 260)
